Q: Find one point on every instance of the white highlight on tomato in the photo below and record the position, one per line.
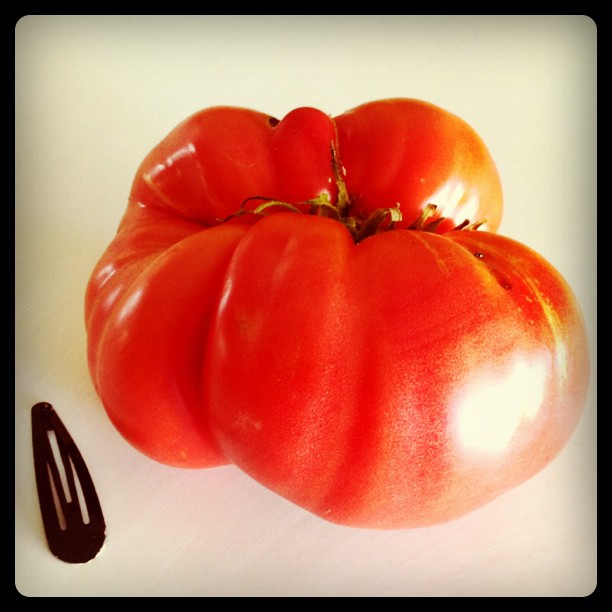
(227, 290)
(455, 203)
(187, 150)
(493, 407)
(130, 304)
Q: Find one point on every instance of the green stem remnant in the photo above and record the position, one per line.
(382, 219)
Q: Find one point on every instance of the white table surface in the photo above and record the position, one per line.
(94, 95)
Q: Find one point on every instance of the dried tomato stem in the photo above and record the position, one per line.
(343, 200)
(273, 203)
(382, 219)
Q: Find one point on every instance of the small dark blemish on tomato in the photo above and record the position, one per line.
(503, 282)
(273, 121)
(479, 255)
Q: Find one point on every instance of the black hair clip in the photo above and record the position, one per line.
(70, 508)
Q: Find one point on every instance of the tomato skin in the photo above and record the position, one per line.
(414, 153)
(219, 157)
(151, 350)
(373, 406)
(164, 267)
(357, 378)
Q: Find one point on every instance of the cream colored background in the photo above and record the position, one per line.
(94, 95)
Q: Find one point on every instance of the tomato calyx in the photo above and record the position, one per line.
(381, 219)
(424, 224)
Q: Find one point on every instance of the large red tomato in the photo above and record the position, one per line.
(264, 304)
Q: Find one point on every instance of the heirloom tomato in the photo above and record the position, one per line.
(315, 301)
